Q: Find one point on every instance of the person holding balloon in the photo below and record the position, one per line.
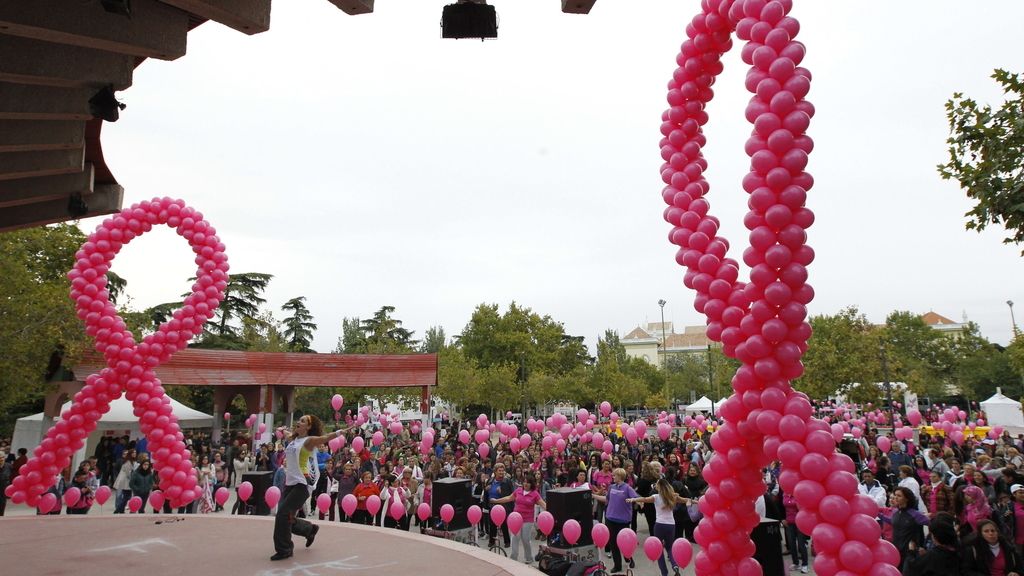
(301, 475)
(363, 491)
(525, 498)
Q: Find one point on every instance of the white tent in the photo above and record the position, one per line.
(1003, 411)
(702, 405)
(119, 421)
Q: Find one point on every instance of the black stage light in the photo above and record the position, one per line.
(469, 20)
(104, 105)
(122, 7)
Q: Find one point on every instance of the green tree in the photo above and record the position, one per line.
(458, 379)
(986, 156)
(843, 351)
(299, 327)
(383, 334)
(433, 340)
(351, 340)
(917, 355)
(242, 299)
(37, 318)
(115, 286)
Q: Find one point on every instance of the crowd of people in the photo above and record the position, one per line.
(948, 507)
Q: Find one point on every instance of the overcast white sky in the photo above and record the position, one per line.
(364, 161)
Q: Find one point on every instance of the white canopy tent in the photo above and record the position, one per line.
(1003, 411)
(702, 405)
(119, 421)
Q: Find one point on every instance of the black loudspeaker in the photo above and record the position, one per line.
(570, 504)
(260, 482)
(469, 20)
(454, 491)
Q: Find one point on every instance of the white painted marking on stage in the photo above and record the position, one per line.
(139, 546)
(340, 565)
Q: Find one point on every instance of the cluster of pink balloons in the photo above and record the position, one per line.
(761, 322)
(131, 366)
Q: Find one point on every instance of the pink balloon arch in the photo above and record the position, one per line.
(761, 322)
(131, 366)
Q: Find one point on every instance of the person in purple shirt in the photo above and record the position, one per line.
(618, 513)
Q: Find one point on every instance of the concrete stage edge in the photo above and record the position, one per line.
(180, 545)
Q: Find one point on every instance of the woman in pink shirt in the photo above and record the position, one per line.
(525, 497)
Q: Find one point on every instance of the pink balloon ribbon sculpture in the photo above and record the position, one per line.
(763, 322)
(131, 366)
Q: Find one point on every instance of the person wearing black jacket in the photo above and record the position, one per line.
(987, 551)
(943, 559)
(500, 487)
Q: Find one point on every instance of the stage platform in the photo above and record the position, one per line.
(179, 545)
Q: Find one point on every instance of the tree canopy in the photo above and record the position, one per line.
(986, 156)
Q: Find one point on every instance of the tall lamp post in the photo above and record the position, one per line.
(1013, 321)
(711, 380)
(664, 353)
(888, 385)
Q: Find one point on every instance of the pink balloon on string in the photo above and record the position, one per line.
(156, 499)
(545, 522)
(474, 514)
(396, 510)
(600, 535)
(227, 415)
(626, 539)
(337, 402)
(572, 531)
(606, 408)
(102, 495)
(245, 491)
(323, 503)
(378, 438)
(349, 503)
(262, 427)
(447, 513)
(515, 522)
(498, 514)
(47, 503)
(423, 511)
(72, 496)
(134, 504)
(373, 504)
(483, 450)
(221, 496)
(653, 548)
(358, 444)
(682, 552)
(272, 496)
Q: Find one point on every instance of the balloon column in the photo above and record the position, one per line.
(131, 366)
(761, 322)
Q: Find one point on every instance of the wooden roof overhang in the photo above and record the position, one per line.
(202, 367)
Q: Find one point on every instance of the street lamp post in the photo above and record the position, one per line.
(664, 353)
(888, 385)
(1013, 321)
(711, 381)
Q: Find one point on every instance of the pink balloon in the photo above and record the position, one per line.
(914, 417)
(515, 522)
(545, 522)
(883, 443)
(423, 511)
(337, 402)
(572, 531)
(358, 444)
(482, 435)
(323, 503)
(102, 495)
(626, 540)
(498, 515)
(631, 435)
(262, 427)
(227, 415)
(600, 534)
(134, 504)
(664, 430)
(221, 496)
(395, 428)
(464, 436)
(653, 548)
(245, 491)
(72, 496)
(448, 513)
(272, 496)
(514, 446)
(156, 499)
(349, 503)
(47, 503)
(474, 514)
(396, 510)
(483, 449)
(682, 552)
(373, 504)
(606, 408)
(378, 438)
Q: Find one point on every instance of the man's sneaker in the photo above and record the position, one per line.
(312, 535)
(803, 569)
(281, 556)
(794, 567)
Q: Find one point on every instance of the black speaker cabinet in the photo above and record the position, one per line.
(454, 491)
(260, 482)
(570, 504)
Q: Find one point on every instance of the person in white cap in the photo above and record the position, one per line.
(1010, 515)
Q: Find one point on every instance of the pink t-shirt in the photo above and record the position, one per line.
(525, 501)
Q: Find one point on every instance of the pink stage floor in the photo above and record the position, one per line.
(197, 545)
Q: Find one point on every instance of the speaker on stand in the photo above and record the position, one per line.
(571, 504)
(454, 491)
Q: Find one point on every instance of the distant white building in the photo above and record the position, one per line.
(645, 342)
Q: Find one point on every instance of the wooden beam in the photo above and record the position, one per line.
(104, 200)
(249, 16)
(34, 136)
(154, 30)
(354, 7)
(15, 165)
(577, 6)
(27, 102)
(32, 190)
(28, 61)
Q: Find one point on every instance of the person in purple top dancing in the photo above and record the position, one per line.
(618, 513)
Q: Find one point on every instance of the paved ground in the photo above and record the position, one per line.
(155, 545)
